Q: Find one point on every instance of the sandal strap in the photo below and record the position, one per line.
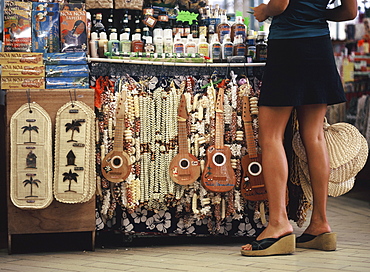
(264, 243)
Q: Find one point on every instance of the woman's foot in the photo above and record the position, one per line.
(317, 228)
(272, 246)
(272, 232)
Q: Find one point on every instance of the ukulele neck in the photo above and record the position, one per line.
(118, 134)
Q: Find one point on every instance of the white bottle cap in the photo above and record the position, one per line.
(102, 36)
(94, 35)
(113, 36)
(190, 37)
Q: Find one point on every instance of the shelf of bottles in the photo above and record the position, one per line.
(154, 34)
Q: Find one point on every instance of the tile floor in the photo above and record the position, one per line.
(349, 217)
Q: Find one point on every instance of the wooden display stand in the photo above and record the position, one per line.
(58, 217)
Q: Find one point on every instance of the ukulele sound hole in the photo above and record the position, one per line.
(255, 168)
(219, 159)
(116, 162)
(184, 163)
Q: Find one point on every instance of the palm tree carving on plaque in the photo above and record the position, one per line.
(31, 182)
(30, 128)
(74, 126)
(70, 176)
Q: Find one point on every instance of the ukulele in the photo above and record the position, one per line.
(252, 185)
(218, 175)
(116, 165)
(184, 168)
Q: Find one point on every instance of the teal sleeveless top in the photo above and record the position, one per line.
(301, 19)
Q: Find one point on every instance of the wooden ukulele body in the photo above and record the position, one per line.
(184, 169)
(252, 185)
(218, 175)
(116, 166)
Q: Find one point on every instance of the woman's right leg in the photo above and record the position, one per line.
(272, 122)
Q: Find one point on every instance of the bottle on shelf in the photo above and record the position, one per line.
(180, 28)
(186, 29)
(223, 28)
(238, 28)
(146, 33)
(194, 29)
(110, 23)
(190, 46)
(203, 30)
(113, 43)
(203, 46)
(227, 47)
(239, 46)
(94, 45)
(178, 45)
(215, 49)
(103, 44)
(168, 43)
(261, 46)
(125, 43)
(158, 43)
(137, 25)
(137, 44)
(158, 30)
(125, 27)
(149, 46)
(98, 27)
(251, 45)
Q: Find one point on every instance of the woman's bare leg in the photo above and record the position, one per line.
(310, 118)
(272, 122)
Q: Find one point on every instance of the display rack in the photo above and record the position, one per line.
(58, 217)
(179, 63)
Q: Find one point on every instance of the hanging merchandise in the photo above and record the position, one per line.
(74, 173)
(167, 142)
(252, 184)
(218, 174)
(184, 169)
(31, 157)
(348, 151)
(123, 4)
(116, 165)
(101, 4)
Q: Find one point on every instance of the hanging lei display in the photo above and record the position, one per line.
(74, 174)
(31, 157)
(151, 140)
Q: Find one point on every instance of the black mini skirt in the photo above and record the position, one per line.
(301, 72)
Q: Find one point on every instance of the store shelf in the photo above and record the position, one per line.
(163, 63)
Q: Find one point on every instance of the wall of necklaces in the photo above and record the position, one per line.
(176, 146)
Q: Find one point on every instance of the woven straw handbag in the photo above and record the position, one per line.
(348, 152)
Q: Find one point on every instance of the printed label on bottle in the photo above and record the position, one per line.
(216, 51)
(204, 50)
(228, 50)
(178, 48)
(203, 31)
(239, 30)
(137, 46)
(115, 48)
(223, 30)
(125, 47)
(167, 48)
(191, 49)
(240, 50)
